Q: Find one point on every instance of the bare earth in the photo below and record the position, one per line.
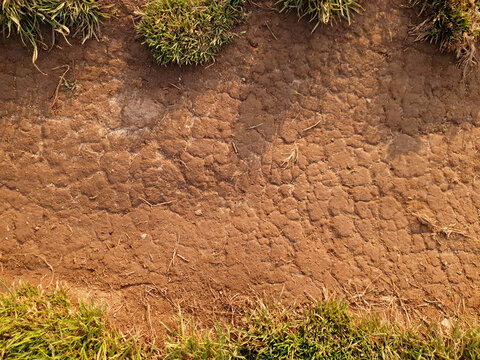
(148, 188)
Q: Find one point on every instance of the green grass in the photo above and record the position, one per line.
(453, 24)
(321, 11)
(326, 330)
(45, 325)
(64, 17)
(189, 31)
(36, 324)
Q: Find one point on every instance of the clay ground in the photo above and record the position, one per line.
(145, 164)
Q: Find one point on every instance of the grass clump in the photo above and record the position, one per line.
(188, 342)
(45, 325)
(64, 17)
(453, 24)
(189, 31)
(321, 11)
(323, 331)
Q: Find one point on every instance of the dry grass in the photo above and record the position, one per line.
(65, 18)
(446, 230)
(452, 24)
(37, 324)
(292, 157)
(322, 330)
(321, 11)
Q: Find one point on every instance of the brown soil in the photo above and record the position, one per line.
(145, 162)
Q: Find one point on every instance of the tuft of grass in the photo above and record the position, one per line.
(189, 31)
(453, 24)
(326, 330)
(190, 342)
(321, 11)
(35, 324)
(292, 157)
(64, 17)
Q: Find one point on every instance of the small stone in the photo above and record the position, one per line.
(143, 236)
(446, 323)
(198, 212)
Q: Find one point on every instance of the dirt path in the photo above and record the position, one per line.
(145, 162)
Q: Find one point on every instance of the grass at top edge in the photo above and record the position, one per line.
(186, 32)
(65, 18)
(452, 24)
(321, 11)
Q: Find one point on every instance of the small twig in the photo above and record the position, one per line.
(183, 163)
(60, 81)
(310, 297)
(184, 259)
(148, 313)
(399, 298)
(314, 125)
(254, 126)
(146, 202)
(46, 263)
(271, 32)
(292, 158)
(50, 267)
(159, 204)
(234, 147)
(165, 203)
(446, 230)
(40, 70)
(209, 65)
(216, 297)
(175, 86)
(114, 314)
(172, 261)
(129, 285)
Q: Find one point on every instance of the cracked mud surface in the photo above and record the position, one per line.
(144, 161)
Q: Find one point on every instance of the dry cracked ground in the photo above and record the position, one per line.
(342, 161)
